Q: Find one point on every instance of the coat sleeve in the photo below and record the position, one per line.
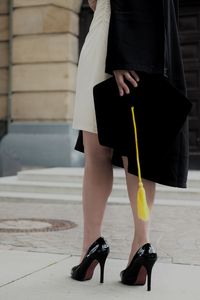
(136, 36)
(176, 7)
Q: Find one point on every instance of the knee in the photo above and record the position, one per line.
(99, 154)
(94, 151)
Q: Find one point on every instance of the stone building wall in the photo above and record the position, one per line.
(45, 54)
(44, 40)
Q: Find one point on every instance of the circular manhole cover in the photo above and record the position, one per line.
(34, 225)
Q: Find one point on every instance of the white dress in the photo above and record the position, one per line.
(91, 68)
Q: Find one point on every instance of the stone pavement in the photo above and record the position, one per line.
(36, 265)
(42, 276)
(174, 230)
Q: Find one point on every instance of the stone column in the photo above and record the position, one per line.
(4, 15)
(45, 54)
(44, 64)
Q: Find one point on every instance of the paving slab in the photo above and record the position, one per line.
(18, 264)
(169, 281)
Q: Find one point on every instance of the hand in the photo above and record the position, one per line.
(130, 76)
(92, 4)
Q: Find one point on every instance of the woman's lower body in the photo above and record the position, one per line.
(98, 172)
(97, 186)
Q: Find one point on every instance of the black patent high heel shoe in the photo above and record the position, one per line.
(97, 253)
(140, 267)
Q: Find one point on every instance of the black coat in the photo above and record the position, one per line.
(143, 35)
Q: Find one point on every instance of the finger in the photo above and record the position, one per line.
(119, 79)
(121, 92)
(135, 75)
(123, 85)
(92, 4)
(131, 79)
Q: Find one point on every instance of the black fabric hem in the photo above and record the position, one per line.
(116, 161)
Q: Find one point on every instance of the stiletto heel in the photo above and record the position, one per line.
(149, 265)
(102, 264)
(140, 267)
(97, 253)
(149, 280)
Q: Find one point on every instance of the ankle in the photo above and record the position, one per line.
(89, 240)
(140, 241)
(136, 244)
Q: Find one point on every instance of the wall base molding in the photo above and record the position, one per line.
(38, 144)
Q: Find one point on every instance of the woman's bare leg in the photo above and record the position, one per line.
(97, 186)
(141, 234)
